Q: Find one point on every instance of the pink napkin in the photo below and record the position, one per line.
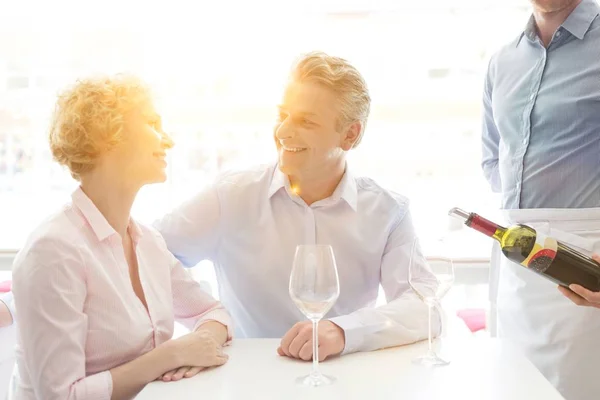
(5, 286)
(474, 318)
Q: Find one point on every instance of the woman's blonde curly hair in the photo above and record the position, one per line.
(89, 119)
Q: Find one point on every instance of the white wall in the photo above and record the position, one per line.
(6, 259)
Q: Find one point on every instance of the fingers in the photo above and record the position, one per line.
(323, 353)
(288, 338)
(592, 297)
(193, 372)
(596, 257)
(574, 297)
(300, 345)
(303, 337)
(179, 374)
(168, 377)
(306, 352)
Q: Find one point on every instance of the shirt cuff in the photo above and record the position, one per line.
(221, 316)
(98, 386)
(352, 327)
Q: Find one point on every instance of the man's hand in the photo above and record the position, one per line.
(298, 343)
(582, 296)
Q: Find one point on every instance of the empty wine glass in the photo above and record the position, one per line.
(314, 288)
(431, 279)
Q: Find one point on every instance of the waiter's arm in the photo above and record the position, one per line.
(580, 295)
(490, 137)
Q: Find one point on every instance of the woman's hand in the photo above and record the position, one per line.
(180, 373)
(194, 352)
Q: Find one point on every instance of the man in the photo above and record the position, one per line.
(541, 143)
(249, 224)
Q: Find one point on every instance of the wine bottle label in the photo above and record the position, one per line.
(542, 254)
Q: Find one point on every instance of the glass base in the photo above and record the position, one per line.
(315, 380)
(430, 360)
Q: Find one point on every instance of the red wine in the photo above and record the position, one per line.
(539, 253)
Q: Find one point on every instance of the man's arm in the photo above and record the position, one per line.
(490, 137)
(193, 229)
(404, 318)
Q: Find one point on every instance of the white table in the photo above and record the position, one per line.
(481, 369)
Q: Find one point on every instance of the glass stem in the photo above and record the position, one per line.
(315, 371)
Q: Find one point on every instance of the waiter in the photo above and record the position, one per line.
(541, 150)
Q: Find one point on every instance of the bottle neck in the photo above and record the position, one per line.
(486, 227)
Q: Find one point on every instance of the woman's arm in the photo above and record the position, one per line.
(49, 286)
(195, 308)
(6, 317)
(198, 311)
(129, 379)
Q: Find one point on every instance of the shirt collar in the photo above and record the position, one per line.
(100, 226)
(580, 20)
(530, 30)
(278, 181)
(577, 23)
(345, 190)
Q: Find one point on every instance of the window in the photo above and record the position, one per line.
(218, 77)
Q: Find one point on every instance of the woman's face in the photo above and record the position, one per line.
(141, 157)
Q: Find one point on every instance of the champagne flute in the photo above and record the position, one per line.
(314, 288)
(431, 279)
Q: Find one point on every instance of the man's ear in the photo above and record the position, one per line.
(351, 135)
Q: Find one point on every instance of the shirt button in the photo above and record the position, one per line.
(557, 33)
(532, 96)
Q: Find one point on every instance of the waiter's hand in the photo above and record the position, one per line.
(297, 342)
(580, 295)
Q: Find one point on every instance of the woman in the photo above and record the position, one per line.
(6, 311)
(96, 292)
(7, 340)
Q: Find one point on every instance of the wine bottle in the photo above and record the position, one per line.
(539, 253)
